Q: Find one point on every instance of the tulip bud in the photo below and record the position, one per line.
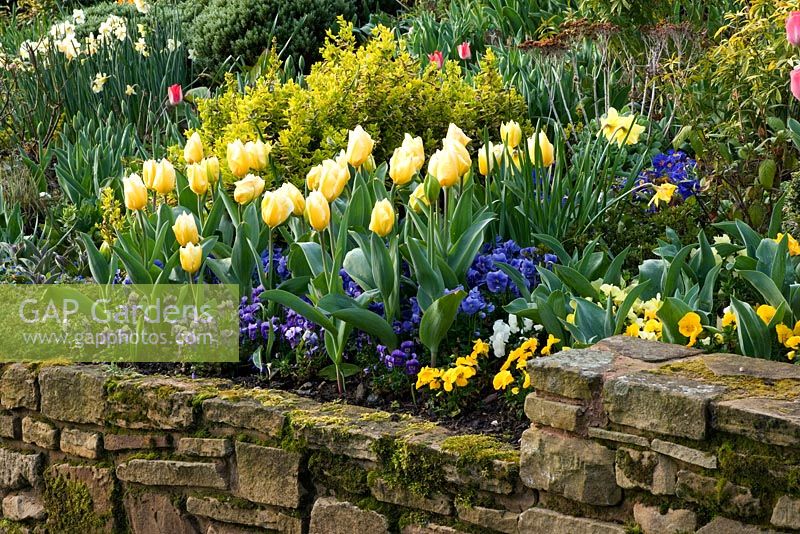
(248, 188)
(164, 182)
(276, 207)
(212, 169)
(197, 175)
(454, 132)
(464, 51)
(185, 229)
(414, 147)
(313, 176)
(105, 250)
(193, 151)
(437, 58)
(432, 187)
(461, 154)
(417, 197)
(402, 166)
(333, 179)
(545, 147)
(149, 172)
(511, 133)
(382, 220)
(318, 212)
(444, 166)
(135, 192)
(238, 161)
(793, 28)
(486, 159)
(359, 146)
(294, 194)
(370, 165)
(258, 154)
(191, 257)
(795, 82)
(175, 94)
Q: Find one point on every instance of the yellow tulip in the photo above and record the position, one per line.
(248, 188)
(193, 151)
(164, 182)
(258, 154)
(135, 192)
(238, 160)
(511, 133)
(191, 257)
(313, 177)
(197, 175)
(545, 147)
(318, 212)
(382, 220)
(443, 166)
(414, 147)
(333, 179)
(486, 159)
(369, 165)
(294, 194)
(359, 146)
(461, 153)
(276, 207)
(402, 166)
(185, 229)
(455, 133)
(418, 196)
(149, 172)
(212, 169)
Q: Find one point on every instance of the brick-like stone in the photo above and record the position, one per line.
(227, 513)
(643, 350)
(207, 447)
(18, 387)
(152, 403)
(657, 403)
(719, 494)
(39, 433)
(74, 394)
(80, 443)
(555, 414)
(576, 468)
(576, 374)
(121, 442)
(437, 503)
(171, 473)
(786, 513)
(723, 525)
(266, 415)
(329, 516)
(685, 454)
(430, 528)
(268, 475)
(652, 521)
(23, 507)
(619, 437)
(541, 520)
(499, 520)
(18, 470)
(776, 422)
(665, 476)
(10, 426)
(99, 482)
(155, 512)
(635, 468)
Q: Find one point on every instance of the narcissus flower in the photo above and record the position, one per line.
(248, 188)
(276, 207)
(135, 192)
(99, 81)
(691, 327)
(318, 211)
(193, 151)
(382, 220)
(359, 146)
(185, 229)
(663, 193)
(191, 257)
(620, 129)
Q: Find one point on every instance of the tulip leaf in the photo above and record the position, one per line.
(463, 252)
(764, 285)
(613, 274)
(221, 269)
(438, 318)
(627, 304)
(382, 268)
(358, 267)
(670, 313)
(133, 265)
(97, 263)
(671, 276)
(298, 305)
(576, 281)
(516, 277)
(754, 338)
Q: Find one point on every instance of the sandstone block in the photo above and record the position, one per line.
(10, 426)
(437, 503)
(635, 468)
(39, 433)
(18, 470)
(155, 512)
(722, 525)
(22, 507)
(619, 437)
(207, 447)
(99, 482)
(75, 394)
(685, 454)
(555, 414)
(268, 475)
(171, 473)
(119, 442)
(18, 387)
(430, 528)
(499, 520)
(329, 516)
(247, 413)
(80, 443)
(786, 513)
(576, 374)
(643, 350)
(541, 520)
(152, 403)
(770, 421)
(653, 521)
(227, 513)
(708, 491)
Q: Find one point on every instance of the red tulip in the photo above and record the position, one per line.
(793, 28)
(795, 76)
(464, 52)
(175, 93)
(437, 58)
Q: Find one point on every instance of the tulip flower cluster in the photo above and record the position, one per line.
(538, 145)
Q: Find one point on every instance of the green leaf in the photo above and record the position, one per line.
(293, 302)
(344, 369)
(754, 339)
(627, 304)
(673, 273)
(97, 263)
(670, 313)
(463, 252)
(516, 277)
(555, 245)
(358, 267)
(576, 281)
(764, 285)
(438, 318)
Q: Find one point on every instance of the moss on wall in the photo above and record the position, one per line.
(70, 507)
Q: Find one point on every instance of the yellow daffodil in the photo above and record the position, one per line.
(620, 129)
(690, 326)
(663, 194)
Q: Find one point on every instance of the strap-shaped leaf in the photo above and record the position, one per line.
(295, 303)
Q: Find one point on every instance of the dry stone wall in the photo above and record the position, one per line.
(627, 437)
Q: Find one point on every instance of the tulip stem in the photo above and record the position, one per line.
(269, 264)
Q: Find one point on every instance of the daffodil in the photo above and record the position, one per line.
(130, 90)
(663, 194)
(99, 81)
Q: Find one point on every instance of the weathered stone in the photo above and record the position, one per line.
(80, 443)
(437, 503)
(430, 528)
(776, 422)
(18, 470)
(227, 513)
(208, 447)
(329, 516)
(499, 520)
(10, 426)
(786, 513)
(268, 475)
(171, 473)
(22, 507)
(646, 351)
(75, 394)
(99, 482)
(685, 454)
(744, 366)
(635, 469)
(541, 520)
(39, 433)
(577, 374)
(578, 469)
(652, 521)
(713, 493)
(18, 387)
(620, 437)
(267, 416)
(119, 442)
(152, 403)
(664, 404)
(665, 476)
(228, 528)
(722, 525)
(552, 413)
(155, 512)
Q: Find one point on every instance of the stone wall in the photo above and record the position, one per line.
(627, 437)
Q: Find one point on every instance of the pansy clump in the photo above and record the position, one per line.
(455, 376)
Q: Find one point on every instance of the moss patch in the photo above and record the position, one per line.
(478, 450)
(339, 473)
(70, 507)
(414, 467)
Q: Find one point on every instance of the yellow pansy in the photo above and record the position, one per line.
(766, 312)
(502, 380)
(429, 376)
(551, 340)
(690, 326)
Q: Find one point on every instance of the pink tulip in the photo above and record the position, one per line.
(175, 93)
(465, 53)
(796, 83)
(793, 28)
(437, 58)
